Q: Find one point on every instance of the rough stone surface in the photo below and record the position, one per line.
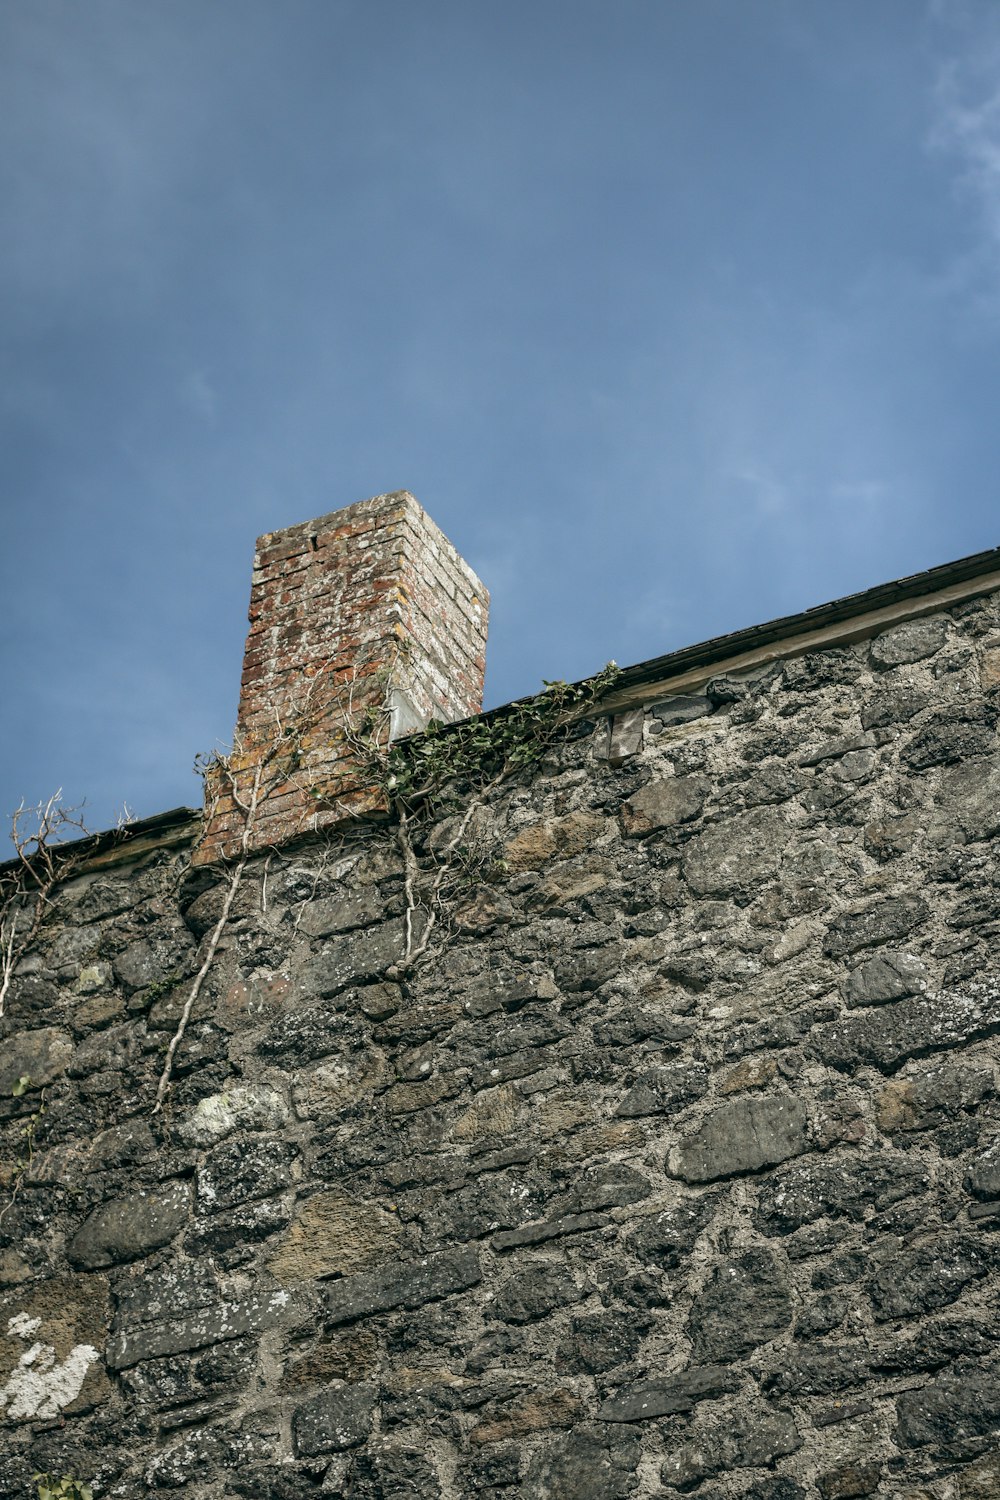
(890, 976)
(335, 1419)
(661, 1398)
(928, 1277)
(737, 854)
(556, 838)
(39, 1056)
(850, 1187)
(744, 1441)
(662, 804)
(125, 1228)
(403, 1286)
(911, 1028)
(334, 1235)
(219, 1115)
(914, 641)
(744, 1303)
(742, 1136)
(580, 1466)
(534, 1293)
(881, 923)
(204, 1326)
(671, 1168)
(961, 1403)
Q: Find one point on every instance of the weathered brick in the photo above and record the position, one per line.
(367, 606)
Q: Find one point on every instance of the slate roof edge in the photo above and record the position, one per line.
(122, 846)
(838, 622)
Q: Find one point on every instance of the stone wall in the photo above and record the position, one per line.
(672, 1167)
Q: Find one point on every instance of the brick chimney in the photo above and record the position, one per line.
(367, 609)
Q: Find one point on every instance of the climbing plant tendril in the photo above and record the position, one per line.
(452, 769)
(435, 771)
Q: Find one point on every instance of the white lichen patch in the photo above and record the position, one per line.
(21, 1326)
(246, 1108)
(40, 1385)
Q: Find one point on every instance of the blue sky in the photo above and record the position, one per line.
(676, 316)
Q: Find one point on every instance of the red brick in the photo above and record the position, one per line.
(331, 602)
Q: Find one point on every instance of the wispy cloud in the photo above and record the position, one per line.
(966, 123)
(200, 396)
(868, 493)
(767, 493)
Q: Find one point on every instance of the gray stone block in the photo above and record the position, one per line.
(926, 1023)
(961, 1403)
(353, 958)
(401, 1286)
(333, 914)
(664, 1090)
(681, 709)
(882, 923)
(744, 1303)
(848, 1188)
(663, 803)
(40, 1056)
(924, 1279)
(913, 641)
(742, 1136)
(736, 854)
(672, 1394)
(338, 1418)
(126, 1228)
(890, 976)
(208, 1325)
(534, 1293)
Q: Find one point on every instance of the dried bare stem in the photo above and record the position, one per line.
(280, 755)
(479, 757)
(235, 879)
(411, 871)
(23, 1164)
(26, 890)
(413, 951)
(263, 882)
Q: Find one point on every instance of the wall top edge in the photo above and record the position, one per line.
(840, 621)
(123, 846)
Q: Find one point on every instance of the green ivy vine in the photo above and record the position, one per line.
(66, 1488)
(434, 769)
